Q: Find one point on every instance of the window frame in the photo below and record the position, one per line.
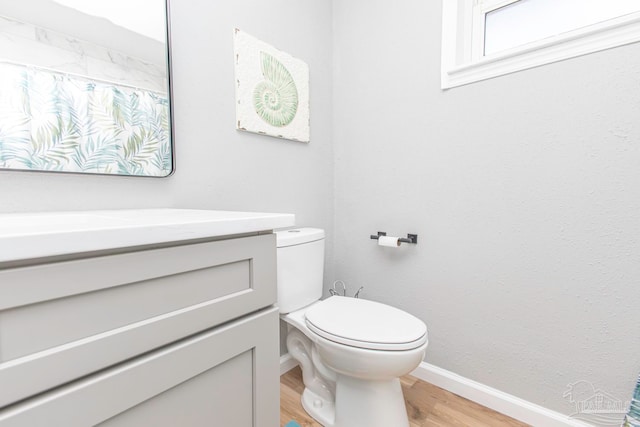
(463, 61)
(479, 13)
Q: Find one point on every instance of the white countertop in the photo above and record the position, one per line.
(43, 234)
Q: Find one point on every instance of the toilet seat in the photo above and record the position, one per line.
(365, 324)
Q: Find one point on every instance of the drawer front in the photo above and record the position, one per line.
(64, 320)
(227, 376)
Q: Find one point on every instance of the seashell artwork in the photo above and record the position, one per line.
(276, 98)
(272, 90)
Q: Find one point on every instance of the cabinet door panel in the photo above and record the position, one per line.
(221, 396)
(229, 373)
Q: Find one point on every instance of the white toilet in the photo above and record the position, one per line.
(352, 351)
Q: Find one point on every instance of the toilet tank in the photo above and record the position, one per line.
(300, 267)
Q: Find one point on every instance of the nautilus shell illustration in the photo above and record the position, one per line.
(276, 98)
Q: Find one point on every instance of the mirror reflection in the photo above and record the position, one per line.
(84, 87)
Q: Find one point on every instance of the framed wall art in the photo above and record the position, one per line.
(272, 90)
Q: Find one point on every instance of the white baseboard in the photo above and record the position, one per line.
(287, 363)
(497, 400)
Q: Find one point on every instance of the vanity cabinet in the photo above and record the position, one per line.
(167, 334)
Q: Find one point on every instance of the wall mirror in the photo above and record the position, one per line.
(84, 87)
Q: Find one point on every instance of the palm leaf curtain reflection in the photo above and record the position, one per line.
(58, 122)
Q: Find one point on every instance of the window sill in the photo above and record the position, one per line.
(602, 36)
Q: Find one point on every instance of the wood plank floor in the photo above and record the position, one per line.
(427, 406)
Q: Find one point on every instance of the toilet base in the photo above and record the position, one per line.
(361, 403)
(321, 410)
(369, 403)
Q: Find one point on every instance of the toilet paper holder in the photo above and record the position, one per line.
(411, 238)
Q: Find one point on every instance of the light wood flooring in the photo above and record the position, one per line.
(427, 406)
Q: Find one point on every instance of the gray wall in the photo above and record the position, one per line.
(524, 191)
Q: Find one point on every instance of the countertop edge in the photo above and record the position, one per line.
(175, 225)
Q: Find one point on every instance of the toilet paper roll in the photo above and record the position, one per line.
(392, 242)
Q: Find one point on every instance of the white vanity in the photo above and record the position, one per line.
(158, 317)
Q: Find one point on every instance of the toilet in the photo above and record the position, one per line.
(351, 351)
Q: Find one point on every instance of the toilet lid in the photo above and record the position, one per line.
(366, 324)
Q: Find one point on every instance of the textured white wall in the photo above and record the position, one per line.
(219, 167)
(525, 193)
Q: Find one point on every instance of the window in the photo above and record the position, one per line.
(487, 38)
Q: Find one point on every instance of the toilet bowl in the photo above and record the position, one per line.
(351, 351)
